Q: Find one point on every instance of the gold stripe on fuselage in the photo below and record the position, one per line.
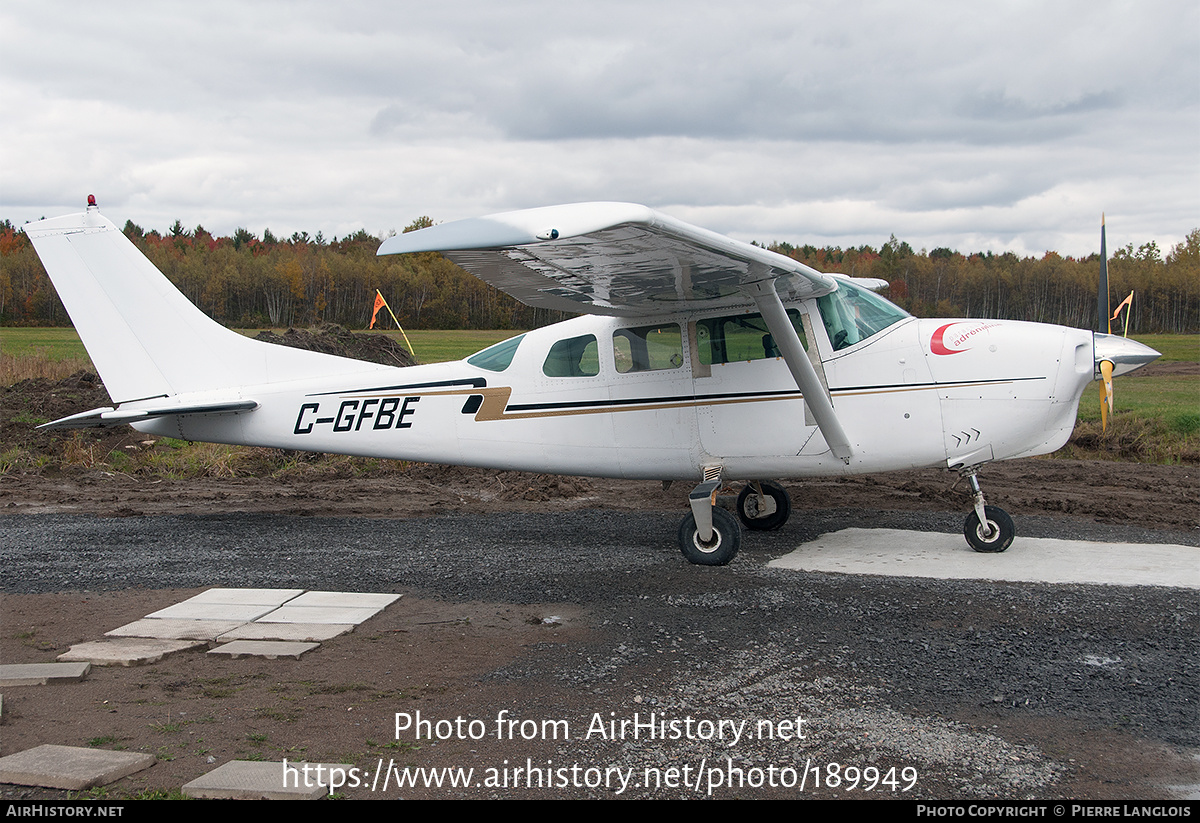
(495, 400)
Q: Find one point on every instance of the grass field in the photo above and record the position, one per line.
(440, 346)
(431, 346)
(1173, 396)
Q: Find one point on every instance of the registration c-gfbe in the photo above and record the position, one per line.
(377, 413)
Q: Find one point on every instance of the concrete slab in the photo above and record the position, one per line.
(40, 674)
(187, 610)
(165, 629)
(315, 632)
(1029, 559)
(256, 597)
(131, 651)
(254, 780)
(69, 767)
(318, 614)
(269, 649)
(255, 614)
(352, 600)
(331, 607)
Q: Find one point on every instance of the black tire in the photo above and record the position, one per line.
(726, 540)
(1001, 527)
(747, 507)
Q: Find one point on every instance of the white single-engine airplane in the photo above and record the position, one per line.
(698, 358)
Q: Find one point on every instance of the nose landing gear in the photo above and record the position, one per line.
(988, 528)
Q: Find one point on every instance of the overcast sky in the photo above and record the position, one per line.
(1000, 125)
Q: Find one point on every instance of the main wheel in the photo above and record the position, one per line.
(720, 549)
(749, 507)
(999, 524)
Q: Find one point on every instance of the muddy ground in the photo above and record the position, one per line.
(73, 471)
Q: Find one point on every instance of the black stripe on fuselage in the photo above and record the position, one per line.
(778, 395)
(473, 382)
(699, 399)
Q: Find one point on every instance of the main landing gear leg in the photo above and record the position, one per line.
(988, 528)
(709, 536)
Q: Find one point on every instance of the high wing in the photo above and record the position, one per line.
(611, 258)
(629, 260)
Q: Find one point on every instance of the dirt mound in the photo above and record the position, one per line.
(1184, 368)
(27, 404)
(43, 396)
(331, 338)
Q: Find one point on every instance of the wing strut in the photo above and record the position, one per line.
(771, 308)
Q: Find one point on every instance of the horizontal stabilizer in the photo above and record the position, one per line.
(107, 416)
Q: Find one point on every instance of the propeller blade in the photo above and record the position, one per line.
(1106, 393)
(1103, 322)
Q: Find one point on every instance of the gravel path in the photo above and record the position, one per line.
(982, 689)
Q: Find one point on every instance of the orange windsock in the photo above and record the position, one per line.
(379, 304)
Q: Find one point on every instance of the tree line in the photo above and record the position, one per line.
(247, 281)
(1049, 289)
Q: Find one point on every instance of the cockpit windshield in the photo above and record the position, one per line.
(852, 314)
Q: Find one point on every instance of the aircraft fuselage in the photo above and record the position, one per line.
(918, 393)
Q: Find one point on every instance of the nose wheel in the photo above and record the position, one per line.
(995, 534)
(988, 528)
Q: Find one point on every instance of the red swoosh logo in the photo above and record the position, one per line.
(937, 346)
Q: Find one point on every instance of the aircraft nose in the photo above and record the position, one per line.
(1125, 354)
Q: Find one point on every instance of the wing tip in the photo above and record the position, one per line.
(522, 227)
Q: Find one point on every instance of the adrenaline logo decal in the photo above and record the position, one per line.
(938, 344)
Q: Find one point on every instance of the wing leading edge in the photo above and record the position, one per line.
(612, 259)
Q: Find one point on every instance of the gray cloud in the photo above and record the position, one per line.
(944, 123)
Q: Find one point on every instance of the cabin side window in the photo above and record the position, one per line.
(573, 357)
(497, 357)
(648, 348)
(738, 337)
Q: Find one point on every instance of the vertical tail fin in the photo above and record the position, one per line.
(144, 337)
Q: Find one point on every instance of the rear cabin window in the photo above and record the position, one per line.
(740, 337)
(573, 357)
(497, 357)
(648, 348)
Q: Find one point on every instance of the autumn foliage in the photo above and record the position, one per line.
(248, 281)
